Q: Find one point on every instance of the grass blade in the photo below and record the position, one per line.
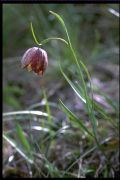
(73, 86)
(28, 112)
(47, 108)
(14, 145)
(75, 119)
(63, 24)
(89, 105)
(23, 139)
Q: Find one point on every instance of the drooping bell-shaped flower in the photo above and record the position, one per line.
(35, 59)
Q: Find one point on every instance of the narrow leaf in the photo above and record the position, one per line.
(74, 118)
(13, 144)
(47, 108)
(34, 35)
(59, 18)
(73, 86)
(63, 24)
(23, 138)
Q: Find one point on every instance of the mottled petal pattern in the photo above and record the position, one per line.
(35, 59)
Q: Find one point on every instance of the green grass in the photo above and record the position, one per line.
(72, 147)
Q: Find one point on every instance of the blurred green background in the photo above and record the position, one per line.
(88, 24)
(94, 35)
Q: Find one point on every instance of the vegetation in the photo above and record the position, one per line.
(63, 124)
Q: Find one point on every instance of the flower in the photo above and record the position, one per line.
(35, 59)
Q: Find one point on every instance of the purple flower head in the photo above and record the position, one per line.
(35, 59)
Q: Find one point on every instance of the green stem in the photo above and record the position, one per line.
(45, 40)
(34, 35)
(90, 110)
(53, 38)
